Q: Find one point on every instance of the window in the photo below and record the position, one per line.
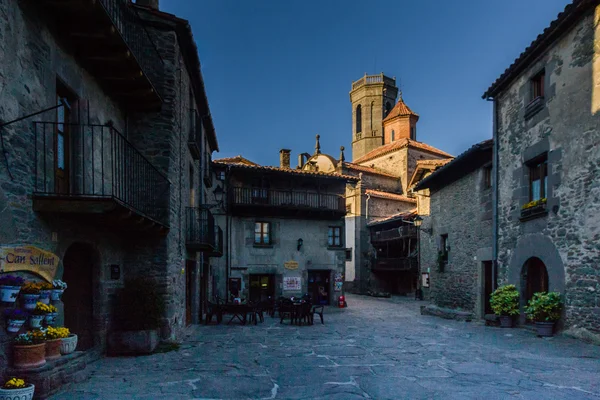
(221, 175)
(413, 133)
(192, 189)
(348, 254)
(358, 119)
(393, 135)
(487, 177)
(444, 248)
(537, 85)
(388, 108)
(334, 236)
(262, 233)
(538, 179)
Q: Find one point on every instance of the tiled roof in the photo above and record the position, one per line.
(368, 170)
(561, 24)
(235, 160)
(289, 171)
(400, 109)
(399, 144)
(426, 165)
(406, 215)
(390, 196)
(435, 163)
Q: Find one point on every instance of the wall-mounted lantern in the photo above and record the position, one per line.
(300, 242)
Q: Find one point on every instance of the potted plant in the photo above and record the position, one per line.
(30, 293)
(38, 315)
(16, 389)
(505, 304)
(51, 314)
(68, 341)
(58, 288)
(10, 286)
(544, 309)
(54, 338)
(45, 292)
(15, 319)
(138, 310)
(29, 350)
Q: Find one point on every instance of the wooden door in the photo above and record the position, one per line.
(78, 299)
(488, 287)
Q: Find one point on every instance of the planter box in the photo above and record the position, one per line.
(533, 212)
(132, 342)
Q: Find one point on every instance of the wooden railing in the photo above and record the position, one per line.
(286, 198)
(396, 264)
(392, 234)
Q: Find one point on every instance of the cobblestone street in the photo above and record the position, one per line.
(375, 349)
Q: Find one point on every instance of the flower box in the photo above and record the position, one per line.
(533, 212)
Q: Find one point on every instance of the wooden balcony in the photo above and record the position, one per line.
(396, 264)
(109, 40)
(103, 179)
(286, 203)
(199, 229)
(402, 232)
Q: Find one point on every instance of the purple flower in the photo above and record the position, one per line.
(11, 280)
(16, 314)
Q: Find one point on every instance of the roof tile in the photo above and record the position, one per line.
(390, 196)
(399, 110)
(399, 144)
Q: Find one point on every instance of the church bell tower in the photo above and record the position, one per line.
(372, 98)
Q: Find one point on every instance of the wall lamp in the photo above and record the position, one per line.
(300, 242)
(418, 221)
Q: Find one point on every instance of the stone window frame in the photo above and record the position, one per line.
(487, 178)
(270, 233)
(536, 96)
(334, 246)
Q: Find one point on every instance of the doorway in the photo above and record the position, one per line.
(262, 287)
(189, 284)
(319, 286)
(488, 286)
(534, 278)
(78, 266)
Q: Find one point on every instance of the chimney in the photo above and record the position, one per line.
(284, 158)
(153, 4)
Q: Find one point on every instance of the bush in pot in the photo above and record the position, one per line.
(138, 310)
(16, 389)
(10, 286)
(29, 349)
(544, 309)
(505, 304)
(40, 313)
(15, 319)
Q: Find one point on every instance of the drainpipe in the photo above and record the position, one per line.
(367, 208)
(494, 194)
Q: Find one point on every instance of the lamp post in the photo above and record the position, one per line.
(418, 221)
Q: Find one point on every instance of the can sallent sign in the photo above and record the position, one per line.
(29, 259)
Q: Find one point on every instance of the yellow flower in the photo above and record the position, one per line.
(14, 383)
(57, 333)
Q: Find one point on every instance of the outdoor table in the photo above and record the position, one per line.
(239, 311)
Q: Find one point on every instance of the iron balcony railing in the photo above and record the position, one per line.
(96, 161)
(392, 234)
(287, 198)
(129, 25)
(200, 229)
(396, 264)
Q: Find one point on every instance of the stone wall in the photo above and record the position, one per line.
(566, 129)
(459, 210)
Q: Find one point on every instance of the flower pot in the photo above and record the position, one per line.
(31, 356)
(68, 344)
(53, 349)
(51, 318)
(56, 293)
(25, 393)
(8, 294)
(545, 329)
(45, 296)
(14, 325)
(35, 321)
(506, 321)
(30, 300)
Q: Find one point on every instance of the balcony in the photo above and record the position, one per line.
(109, 39)
(98, 174)
(195, 136)
(373, 79)
(396, 264)
(289, 203)
(218, 245)
(199, 229)
(402, 232)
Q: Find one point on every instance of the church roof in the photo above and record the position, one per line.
(368, 170)
(399, 110)
(405, 215)
(235, 160)
(390, 196)
(397, 145)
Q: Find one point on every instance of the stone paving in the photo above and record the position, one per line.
(375, 349)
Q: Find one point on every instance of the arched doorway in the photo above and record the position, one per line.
(534, 278)
(78, 264)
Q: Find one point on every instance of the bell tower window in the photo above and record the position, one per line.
(358, 119)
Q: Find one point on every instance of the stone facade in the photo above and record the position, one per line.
(562, 129)
(39, 62)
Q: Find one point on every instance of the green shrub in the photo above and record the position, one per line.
(138, 306)
(505, 301)
(544, 307)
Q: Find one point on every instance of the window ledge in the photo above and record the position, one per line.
(336, 248)
(535, 106)
(262, 246)
(533, 213)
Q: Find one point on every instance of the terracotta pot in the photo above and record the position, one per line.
(14, 325)
(25, 393)
(45, 296)
(53, 349)
(31, 356)
(8, 294)
(29, 300)
(68, 344)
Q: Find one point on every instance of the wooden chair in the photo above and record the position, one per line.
(319, 311)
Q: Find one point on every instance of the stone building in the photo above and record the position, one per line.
(284, 230)
(546, 148)
(456, 235)
(105, 125)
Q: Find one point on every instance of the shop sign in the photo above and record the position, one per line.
(30, 259)
(292, 283)
(291, 265)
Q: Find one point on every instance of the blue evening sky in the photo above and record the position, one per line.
(279, 72)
